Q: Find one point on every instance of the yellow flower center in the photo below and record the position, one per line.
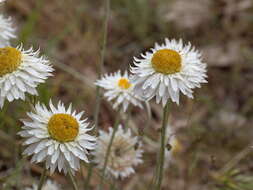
(124, 83)
(166, 61)
(63, 127)
(10, 59)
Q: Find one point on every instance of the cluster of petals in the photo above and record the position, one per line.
(149, 83)
(32, 71)
(115, 93)
(7, 31)
(126, 152)
(49, 185)
(42, 147)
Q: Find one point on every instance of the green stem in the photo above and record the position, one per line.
(163, 146)
(154, 178)
(42, 178)
(101, 69)
(128, 115)
(97, 108)
(113, 185)
(72, 180)
(102, 60)
(115, 128)
(3, 113)
(149, 114)
(89, 175)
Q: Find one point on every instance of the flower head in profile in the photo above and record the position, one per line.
(119, 89)
(57, 136)
(7, 31)
(49, 185)
(21, 71)
(125, 152)
(174, 148)
(168, 70)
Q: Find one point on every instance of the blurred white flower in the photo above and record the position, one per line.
(1, 1)
(225, 54)
(236, 7)
(228, 117)
(125, 152)
(187, 14)
(57, 136)
(7, 31)
(167, 70)
(21, 71)
(119, 89)
(49, 185)
(174, 146)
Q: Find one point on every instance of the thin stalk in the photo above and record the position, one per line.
(235, 160)
(42, 178)
(154, 178)
(115, 128)
(98, 173)
(100, 72)
(89, 175)
(128, 115)
(113, 185)
(97, 108)
(148, 108)
(72, 180)
(3, 113)
(102, 59)
(163, 146)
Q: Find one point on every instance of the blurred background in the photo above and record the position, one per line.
(214, 130)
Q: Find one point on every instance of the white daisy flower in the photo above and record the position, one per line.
(119, 89)
(57, 136)
(125, 152)
(167, 70)
(7, 31)
(49, 185)
(21, 71)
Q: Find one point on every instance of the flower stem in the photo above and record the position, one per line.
(113, 185)
(163, 146)
(42, 178)
(89, 175)
(115, 128)
(102, 59)
(3, 113)
(149, 114)
(72, 180)
(128, 115)
(101, 69)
